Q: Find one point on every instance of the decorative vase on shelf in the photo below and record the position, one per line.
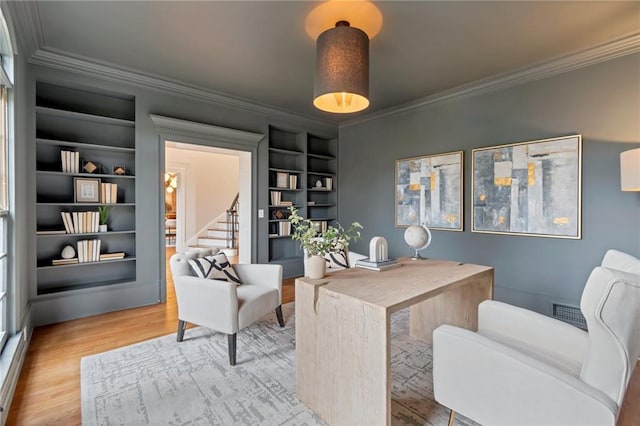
(102, 228)
(315, 267)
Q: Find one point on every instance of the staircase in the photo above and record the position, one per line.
(222, 233)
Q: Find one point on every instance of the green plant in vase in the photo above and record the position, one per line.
(104, 212)
(317, 244)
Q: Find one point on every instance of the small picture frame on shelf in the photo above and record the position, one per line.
(86, 190)
(282, 180)
(119, 170)
(91, 167)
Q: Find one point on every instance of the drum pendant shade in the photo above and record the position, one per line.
(342, 70)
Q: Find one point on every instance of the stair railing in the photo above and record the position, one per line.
(232, 222)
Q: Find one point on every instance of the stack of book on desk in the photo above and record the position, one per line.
(377, 266)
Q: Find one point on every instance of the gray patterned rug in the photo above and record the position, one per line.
(162, 382)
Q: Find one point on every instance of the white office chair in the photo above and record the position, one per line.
(523, 368)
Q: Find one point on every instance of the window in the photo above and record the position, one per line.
(6, 73)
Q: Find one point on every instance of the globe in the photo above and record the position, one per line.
(418, 237)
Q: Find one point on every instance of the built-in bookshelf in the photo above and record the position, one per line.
(85, 159)
(297, 161)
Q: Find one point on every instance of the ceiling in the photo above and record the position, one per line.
(259, 50)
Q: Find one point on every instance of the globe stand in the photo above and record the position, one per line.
(417, 256)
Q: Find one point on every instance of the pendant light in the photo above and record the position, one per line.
(342, 69)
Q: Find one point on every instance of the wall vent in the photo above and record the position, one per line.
(570, 314)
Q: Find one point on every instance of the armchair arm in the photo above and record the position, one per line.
(518, 324)
(494, 384)
(209, 303)
(261, 274)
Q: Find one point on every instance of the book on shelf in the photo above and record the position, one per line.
(293, 181)
(379, 268)
(374, 264)
(57, 262)
(69, 160)
(276, 197)
(273, 235)
(284, 228)
(51, 232)
(112, 256)
(89, 250)
(282, 180)
(109, 193)
(285, 203)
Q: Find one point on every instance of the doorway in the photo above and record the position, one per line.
(207, 181)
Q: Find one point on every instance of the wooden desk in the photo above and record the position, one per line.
(343, 349)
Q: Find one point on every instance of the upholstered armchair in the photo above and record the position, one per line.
(523, 368)
(225, 306)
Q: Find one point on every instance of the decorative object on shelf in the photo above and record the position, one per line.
(119, 170)
(528, 188)
(68, 252)
(630, 170)
(105, 212)
(86, 190)
(328, 183)
(91, 167)
(280, 214)
(418, 237)
(429, 190)
(282, 180)
(318, 183)
(333, 239)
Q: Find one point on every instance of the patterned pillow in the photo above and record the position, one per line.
(337, 260)
(215, 267)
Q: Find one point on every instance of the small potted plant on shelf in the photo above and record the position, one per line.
(316, 244)
(104, 212)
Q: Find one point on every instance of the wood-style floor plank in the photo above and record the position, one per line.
(48, 391)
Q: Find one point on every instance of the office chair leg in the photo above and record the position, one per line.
(279, 315)
(182, 325)
(452, 418)
(232, 348)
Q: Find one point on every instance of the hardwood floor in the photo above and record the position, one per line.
(48, 391)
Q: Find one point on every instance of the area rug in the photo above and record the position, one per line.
(162, 382)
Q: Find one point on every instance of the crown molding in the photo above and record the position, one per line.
(54, 58)
(195, 129)
(25, 19)
(560, 64)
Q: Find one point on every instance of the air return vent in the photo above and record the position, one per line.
(570, 314)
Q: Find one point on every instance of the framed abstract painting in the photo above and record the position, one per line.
(529, 188)
(429, 191)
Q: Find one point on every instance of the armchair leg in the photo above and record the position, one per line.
(232, 348)
(182, 325)
(452, 418)
(279, 315)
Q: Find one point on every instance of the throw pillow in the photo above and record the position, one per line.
(215, 267)
(337, 260)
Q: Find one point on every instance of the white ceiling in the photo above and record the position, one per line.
(259, 50)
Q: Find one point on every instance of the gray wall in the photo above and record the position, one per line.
(602, 102)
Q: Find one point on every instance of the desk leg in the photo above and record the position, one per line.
(457, 306)
(343, 351)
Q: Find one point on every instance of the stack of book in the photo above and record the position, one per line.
(377, 266)
(285, 203)
(88, 251)
(112, 256)
(109, 193)
(293, 181)
(57, 262)
(284, 228)
(70, 161)
(80, 222)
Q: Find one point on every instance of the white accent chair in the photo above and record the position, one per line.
(224, 306)
(523, 368)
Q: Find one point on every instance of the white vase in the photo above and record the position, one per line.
(102, 228)
(315, 267)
